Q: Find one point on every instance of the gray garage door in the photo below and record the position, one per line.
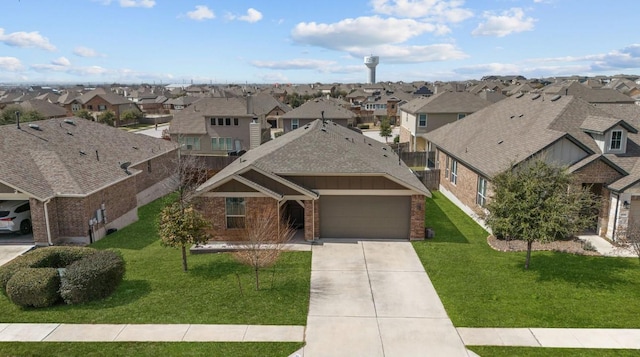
(365, 216)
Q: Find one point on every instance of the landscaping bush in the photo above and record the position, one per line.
(49, 257)
(36, 287)
(93, 277)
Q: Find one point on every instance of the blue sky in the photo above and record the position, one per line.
(286, 41)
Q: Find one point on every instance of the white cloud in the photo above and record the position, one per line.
(438, 10)
(361, 32)
(62, 61)
(503, 24)
(413, 54)
(26, 40)
(202, 12)
(294, 64)
(252, 16)
(10, 64)
(82, 51)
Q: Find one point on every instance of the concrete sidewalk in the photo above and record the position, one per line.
(375, 299)
(145, 333)
(552, 337)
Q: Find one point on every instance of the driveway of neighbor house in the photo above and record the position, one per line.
(9, 252)
(375, 299)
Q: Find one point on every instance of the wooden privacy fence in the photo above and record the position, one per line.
(430, 178)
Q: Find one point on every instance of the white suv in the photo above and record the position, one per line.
(15, 216)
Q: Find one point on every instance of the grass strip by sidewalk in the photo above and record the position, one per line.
(496, 351)
(89, 349)
(216, 290)
(481, 287)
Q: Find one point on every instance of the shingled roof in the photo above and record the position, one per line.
(313, 109)
(446, 102)
(325, 149)
(71, 156)
(513, 129)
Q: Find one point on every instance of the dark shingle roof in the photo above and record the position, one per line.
(60, 158)
(322, 149)
(446, 102)
(513, 129)
(313, 110)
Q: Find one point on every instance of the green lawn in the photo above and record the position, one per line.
(156, 290)
(494, 351)
(480, 287)
(275, 349)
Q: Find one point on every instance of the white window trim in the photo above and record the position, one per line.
(426, 119)
(295, 124)
(454, 171)
(481, 195)
(611, 140)
(227, 215)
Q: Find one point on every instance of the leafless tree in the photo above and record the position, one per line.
(263, 238)
(631, 236)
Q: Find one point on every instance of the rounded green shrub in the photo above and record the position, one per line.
(93, 277)
(49, 257)
(35, 287)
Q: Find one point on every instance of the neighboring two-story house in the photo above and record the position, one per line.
(422, 115)
(219, 127)
(598, 143)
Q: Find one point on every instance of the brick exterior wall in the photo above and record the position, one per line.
(599, 172)
(213, 209)
(155, 170)
(311, 219)
(417, 217)
(69, 216)
(466, 186)
(405, 135)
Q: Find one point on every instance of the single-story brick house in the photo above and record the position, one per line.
(334, 182)
(599, 143)
(81, 177)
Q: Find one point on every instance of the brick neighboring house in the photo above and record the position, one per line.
(315, 109)
(219, 126)
(598, 143)
(422, 115)
(100, 100)
(47, 109)
(332, 181)
(71, 171)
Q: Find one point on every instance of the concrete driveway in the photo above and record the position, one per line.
(375, 299)
(9, 252)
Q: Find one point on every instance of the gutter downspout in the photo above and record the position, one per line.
(615, 218)
(46, 220)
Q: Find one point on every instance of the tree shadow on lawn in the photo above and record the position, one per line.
(583, 271)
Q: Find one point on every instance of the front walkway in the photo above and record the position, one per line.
(375, 299)
(607, 249)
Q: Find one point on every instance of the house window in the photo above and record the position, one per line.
(235, 212)
(422, 120)
(148, 165)
(75, 107)
(616, 140)
(222, 144)
(102, 108)
(235, 121)
(220, 121)
(461, 115)
(295, 123)
(481, 198)
(213, 121)
(190, 143)
(454, 172)
(90, 107)
(227, 121)
(446, 167)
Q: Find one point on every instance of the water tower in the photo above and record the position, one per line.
(371, 62)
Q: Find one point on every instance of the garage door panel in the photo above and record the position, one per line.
(365, 216)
